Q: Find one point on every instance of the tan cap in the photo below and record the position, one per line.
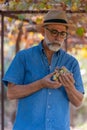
(55, 17)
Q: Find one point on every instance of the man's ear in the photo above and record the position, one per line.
(42, 31)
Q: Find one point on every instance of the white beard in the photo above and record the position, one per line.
(54, 45)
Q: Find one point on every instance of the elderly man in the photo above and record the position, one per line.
(43, 103)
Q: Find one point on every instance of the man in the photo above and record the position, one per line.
(43, 104)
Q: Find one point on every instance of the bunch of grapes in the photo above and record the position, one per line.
(58, 72)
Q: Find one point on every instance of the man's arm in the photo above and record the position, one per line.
(20, 91)
(74, 95)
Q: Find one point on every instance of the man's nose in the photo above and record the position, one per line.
(57, 37)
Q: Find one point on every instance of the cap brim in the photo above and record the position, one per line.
(40, 27)
(44, 24)
(65, 24)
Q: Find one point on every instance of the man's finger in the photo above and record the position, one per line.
(51, 74)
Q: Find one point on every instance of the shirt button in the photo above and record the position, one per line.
(50, 66)
(48, 106)
(49, 93)
(48, 119)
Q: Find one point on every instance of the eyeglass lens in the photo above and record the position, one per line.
(57, 33)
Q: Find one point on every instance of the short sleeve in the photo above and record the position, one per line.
(16, 71)
(77, 77)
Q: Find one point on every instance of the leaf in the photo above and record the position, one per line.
(74, 7)
(10, 20)
(68, 2)
(21, 17)
(12, 5)
(42, 6)
(23, 6)
(80, 31)
(39, 20)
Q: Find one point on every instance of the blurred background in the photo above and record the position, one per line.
(18, 31)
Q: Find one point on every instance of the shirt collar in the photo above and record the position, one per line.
(41, 46)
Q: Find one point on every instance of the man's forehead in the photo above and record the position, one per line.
(57, 26)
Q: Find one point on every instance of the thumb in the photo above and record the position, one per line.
(51, 74)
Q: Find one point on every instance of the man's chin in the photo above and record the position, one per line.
(55, 49)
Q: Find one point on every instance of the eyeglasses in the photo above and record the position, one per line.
(56, 33)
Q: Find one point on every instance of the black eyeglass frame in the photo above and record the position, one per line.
(56, 33)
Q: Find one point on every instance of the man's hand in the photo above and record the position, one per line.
(74, 95)
(66, 79)
(47, 82)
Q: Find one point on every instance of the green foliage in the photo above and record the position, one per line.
(21, 17)
(43, 4)
(22, 6)
(12, 5)
(80, 31)
(68, 2)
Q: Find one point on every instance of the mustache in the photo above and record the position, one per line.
(54, 43)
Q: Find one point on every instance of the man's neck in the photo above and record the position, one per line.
(48, 52)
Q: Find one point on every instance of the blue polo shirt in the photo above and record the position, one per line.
(46, 109)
